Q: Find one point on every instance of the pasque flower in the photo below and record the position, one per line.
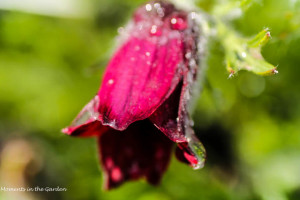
(141, 108)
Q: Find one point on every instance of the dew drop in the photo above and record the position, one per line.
(192, 62)
(232, 72)
(275, 71)
(156, 5)
(148, 54)
(198, 150)
(148, 7)
(188, 55)
(159, 9)
(193, 15)
(178, 23)
(173, 21)
(155, 30)
(110, 81)
(192, 122)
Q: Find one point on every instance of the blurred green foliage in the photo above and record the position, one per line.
(50, 67)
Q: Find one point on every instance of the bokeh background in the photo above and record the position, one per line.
(52, 56)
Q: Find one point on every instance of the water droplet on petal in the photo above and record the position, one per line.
(192, 122)
(110, 81)
(192, 62)
(193, 15)
(198, 150)
(148, 7)
(155, 30)
(173, 21)
(188, 55)
(178, 23)
(159, 9)
(157, 5)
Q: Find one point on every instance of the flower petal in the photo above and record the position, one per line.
(166, 117)
(139, 151)
(86, 123)
(173, 117)
(138, 79)
(143, 72)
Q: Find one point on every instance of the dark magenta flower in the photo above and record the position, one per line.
(141, 107)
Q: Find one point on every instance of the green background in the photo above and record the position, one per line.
(51, 66)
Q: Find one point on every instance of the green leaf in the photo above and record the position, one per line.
(243, 53)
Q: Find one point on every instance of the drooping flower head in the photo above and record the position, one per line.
(142, 105)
